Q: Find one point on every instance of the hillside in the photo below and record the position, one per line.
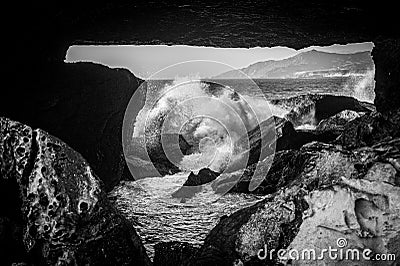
(310, 64)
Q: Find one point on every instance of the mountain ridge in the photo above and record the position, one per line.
(309, 64)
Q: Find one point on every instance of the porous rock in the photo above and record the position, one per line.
(60, 212)
(337, 194)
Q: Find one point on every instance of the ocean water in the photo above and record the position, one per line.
(158, 217)
(360, 87)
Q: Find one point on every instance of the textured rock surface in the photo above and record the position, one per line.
(159, 159)
(56, 205)
(370, 129)
(285, 167)
(224, 24)
(386, 55)
(312, 108)
(338, 193)
(336, 123)
(83, 104)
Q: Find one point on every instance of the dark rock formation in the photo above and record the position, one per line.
(204, 176)
(336, 124)
(386, 55)
(260, 141)
(312, 108)
(194, 182)
(53, 207)
(167, 152)
(286, 137)
(285, 167)
(173, 253)
(370, 129)
(83, 104)
(159, 159)
(50, 29)
(292, 138)
(337, 193)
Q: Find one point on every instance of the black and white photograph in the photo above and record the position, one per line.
(196, 133)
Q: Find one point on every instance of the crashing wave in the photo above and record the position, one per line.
(209, 116)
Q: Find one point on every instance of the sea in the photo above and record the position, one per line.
(158, 217)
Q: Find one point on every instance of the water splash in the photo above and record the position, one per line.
(200, 110)
(362, 87)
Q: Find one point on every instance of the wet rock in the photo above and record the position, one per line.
(337, 194)
(61, 213)
(276, 134)
(312, 108)
(287, 137)
(295, 138)
(336, 123)
(370, 129)
(259, 141)
(204, 176)
(193, 184)
(173, 253)
(167, 152)
(156, 160)
(285, 167)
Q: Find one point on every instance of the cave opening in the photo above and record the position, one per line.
(303, 90)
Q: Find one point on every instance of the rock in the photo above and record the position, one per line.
(112, 24)
(295, 138)
(312, 108)
(283, 166)
(336, 194)
(56, 206)
(166, 155)
(386, 55)
(259, 141)
(204, 176)
(173, 253)
(370, 129)
(193, 184)
(152, 161)
(83, 104)
(335, 124)
(286, 166)
(286, 137)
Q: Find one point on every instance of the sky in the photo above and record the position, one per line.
(146, 60)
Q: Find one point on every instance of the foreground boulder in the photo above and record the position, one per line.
(53, 207)
(338, 193)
